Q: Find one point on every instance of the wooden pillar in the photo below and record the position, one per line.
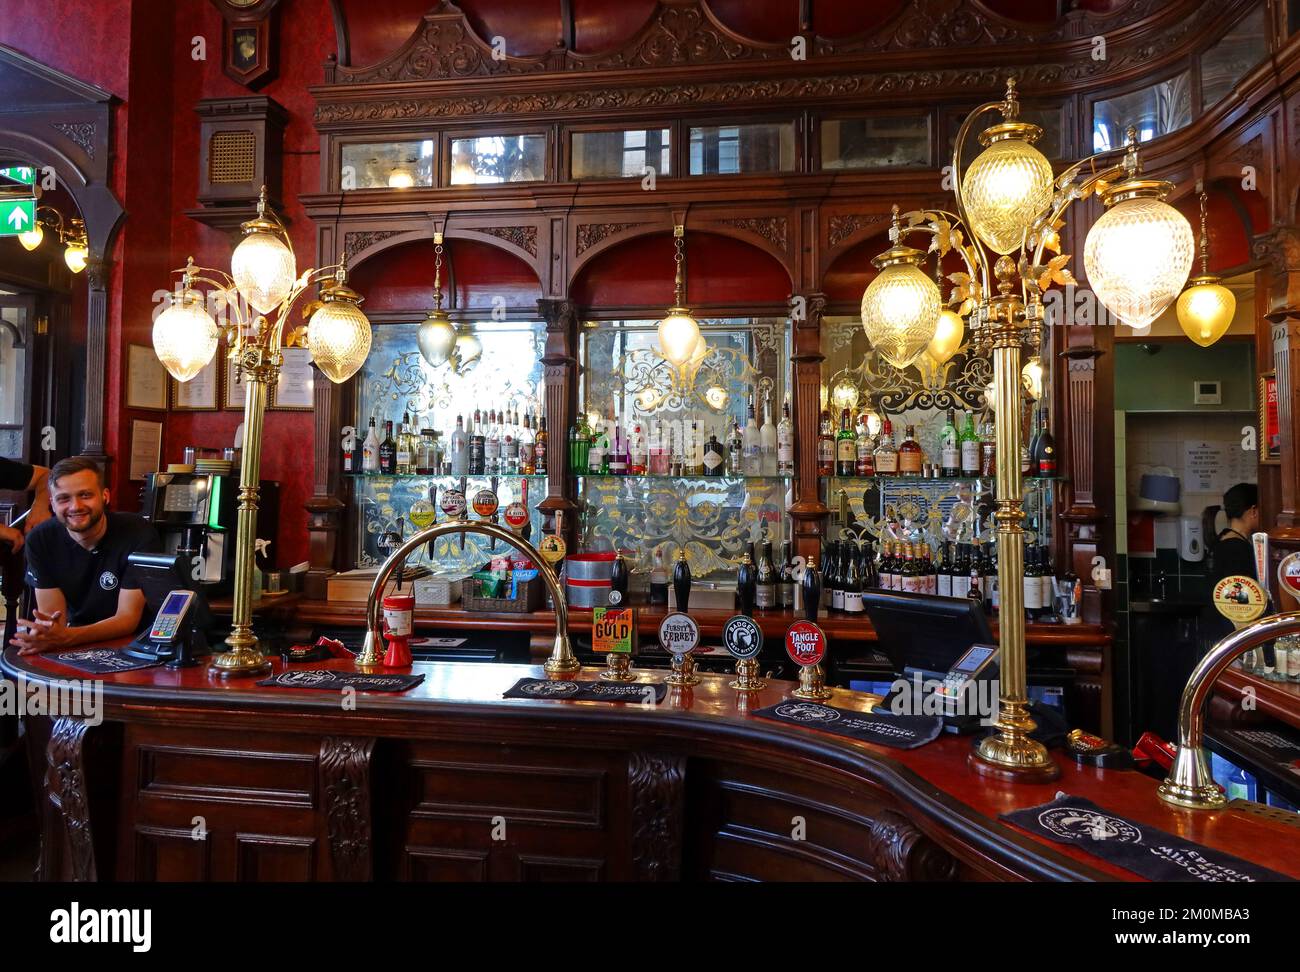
(326, 509)
(96, 364)
(1281, 248)
(808, 513)
(560, 378)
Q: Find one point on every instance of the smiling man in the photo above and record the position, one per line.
(77, 565)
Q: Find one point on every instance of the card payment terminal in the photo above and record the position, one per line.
(169, 635)
(977, 663)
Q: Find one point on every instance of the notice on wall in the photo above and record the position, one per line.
(1203, 466)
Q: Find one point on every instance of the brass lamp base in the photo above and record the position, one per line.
(562, 661)
(620, 668)
(1015, 759)
(241, 662)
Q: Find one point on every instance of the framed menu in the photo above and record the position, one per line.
(295, 387)
(199, 394)
(146, 448)
(146, 379)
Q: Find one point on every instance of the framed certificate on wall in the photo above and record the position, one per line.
(232, 389)
(146, 448)
(199, 394)
(146, 380)
(294, 389)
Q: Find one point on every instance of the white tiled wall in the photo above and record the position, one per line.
(1160, 438)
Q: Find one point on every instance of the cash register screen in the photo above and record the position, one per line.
(923, 631)
(175, 601)
(973, 659)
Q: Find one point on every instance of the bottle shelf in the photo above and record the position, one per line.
(604, 477)
(932, 479)
(503, 477)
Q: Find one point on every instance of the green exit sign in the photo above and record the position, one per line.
(24, 174)
(17, 216)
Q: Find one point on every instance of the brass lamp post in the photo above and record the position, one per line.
(263, 278)
(1009, 212)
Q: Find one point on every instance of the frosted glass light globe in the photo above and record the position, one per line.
(75, 257)
(32, 238)
(338, 336)
(264, 270)
(948, 333)
(1005, 189)
(436, 337)
(900, 312)
(1205, 310)
(1137, 257)
(185, 335)
(679, 336)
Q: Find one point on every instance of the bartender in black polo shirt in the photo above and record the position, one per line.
(77, 564)
(21, 477)
(1232, 553)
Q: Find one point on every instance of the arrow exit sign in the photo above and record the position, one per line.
(16, 216)
(24, 174)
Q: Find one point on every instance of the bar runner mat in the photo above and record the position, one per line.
(320, 678)
(547, 688)
(1144, 850)
(900, 732)
(101, 661)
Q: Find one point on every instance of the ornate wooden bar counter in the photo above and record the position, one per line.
(189, 778)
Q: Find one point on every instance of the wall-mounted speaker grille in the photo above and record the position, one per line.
(232, 158)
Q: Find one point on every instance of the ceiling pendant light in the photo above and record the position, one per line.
(1139, 251)
(679, 334)
(338, 333)
(1010, 183)
(263, 265)
(900, 308)
(467, 352)
(949, 329)
(1206, 307)
(437, 335)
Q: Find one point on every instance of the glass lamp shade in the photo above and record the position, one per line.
(1031, 376)
(185, 335)
(400, 178)
(264, 270)
(845, 395)
(948, 333)
(699, 353)
(717, 397)
(1137, 257)
(1005, 189)
(436, 338)
(75, 257)
(679, 336)
(468, 350)
(338, 335)
(1205, 310)
(900, 311)
(32, 238)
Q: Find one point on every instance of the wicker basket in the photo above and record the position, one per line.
(529, 599)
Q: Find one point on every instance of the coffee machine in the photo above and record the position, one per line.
(196, 516)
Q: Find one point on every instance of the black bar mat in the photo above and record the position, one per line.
(567, 691)
(320, 678)
(900, 732)
(101, 661)
(1144, 850)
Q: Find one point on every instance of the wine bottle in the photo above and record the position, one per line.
(832, 571)
(785, 579)
(388, 451)
(853, 582)
(970, 449)
(765, 577)
(944, 577)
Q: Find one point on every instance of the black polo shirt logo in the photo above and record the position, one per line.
(108, 580)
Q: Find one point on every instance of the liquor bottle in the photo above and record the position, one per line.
(1044, 458)
(751, 445)
(714, 456)
(527, 448)
(697, 458)
(785, 445)
(573, 449)
(370, 449)
(846, 448)
(928, 568)
(388, 451)
(970, 448)
(767, 441)
(910, 455)
(825, 446)
(949, 448)
(785, 579)
(988, 451)
(853, 583)
(886, 456)
(659, 456)
(428, 461)
(943, 580)
(618, 449)
(477, 445)
(598, 454)
(509, 443)
(765, 591)
(689, 435)
(402, 446)
(541, 445)
(459, 449)
(636, 451)
(658, 580)
(675, 461)
(735, 451)
(492, 445)
(865, 464)
(1027, 449)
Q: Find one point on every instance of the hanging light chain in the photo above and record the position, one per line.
(679, 259)
(437, 271)
(1205, 237)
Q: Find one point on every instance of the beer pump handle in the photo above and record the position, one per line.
(682, 581)
(433, 501)
(812, 590)
(746, 586)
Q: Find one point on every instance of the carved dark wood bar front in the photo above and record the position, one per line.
(191, 779)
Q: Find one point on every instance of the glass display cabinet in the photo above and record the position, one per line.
(930, 506)
(666, 504)
(396, 381)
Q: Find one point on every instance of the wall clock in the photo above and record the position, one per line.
(248, 40)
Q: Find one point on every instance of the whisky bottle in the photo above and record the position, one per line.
(825, 448)
(886, 456)
(846, 448)
(866, 461)
(910, 456)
